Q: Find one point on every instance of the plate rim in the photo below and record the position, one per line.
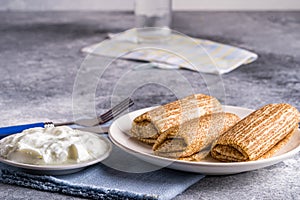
(201, 163)
(63, 167)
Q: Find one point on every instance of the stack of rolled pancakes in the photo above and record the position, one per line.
(191, 128)
(183, 129)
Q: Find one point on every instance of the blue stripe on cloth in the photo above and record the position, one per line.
(48, 183)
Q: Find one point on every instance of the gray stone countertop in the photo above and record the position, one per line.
(40, 56)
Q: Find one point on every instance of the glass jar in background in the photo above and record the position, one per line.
(152, 20)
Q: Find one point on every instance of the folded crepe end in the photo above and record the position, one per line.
(233, 153)
(257, 134)
(228, 153)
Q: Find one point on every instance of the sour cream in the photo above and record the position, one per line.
(53, 145)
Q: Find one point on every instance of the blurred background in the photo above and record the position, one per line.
(44, 43)
(128, 5)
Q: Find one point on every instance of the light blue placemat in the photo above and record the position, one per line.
(206, 56)
(103, 182)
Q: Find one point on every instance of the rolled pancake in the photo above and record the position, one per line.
(194, 137)
(150, 141)
(152, 123)
(259, 135)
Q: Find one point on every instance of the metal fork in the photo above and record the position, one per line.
(105, 117)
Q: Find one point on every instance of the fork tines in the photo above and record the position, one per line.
(115, 111)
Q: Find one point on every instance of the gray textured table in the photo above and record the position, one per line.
(40, 57)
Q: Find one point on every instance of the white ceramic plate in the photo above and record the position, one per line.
(118, 135)
(60, 169)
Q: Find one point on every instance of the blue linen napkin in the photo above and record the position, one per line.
(102, 182)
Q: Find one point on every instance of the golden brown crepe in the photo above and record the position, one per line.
(193, 139)
(148, 126)
(258, 135)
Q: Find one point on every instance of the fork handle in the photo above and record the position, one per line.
(5, 131)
